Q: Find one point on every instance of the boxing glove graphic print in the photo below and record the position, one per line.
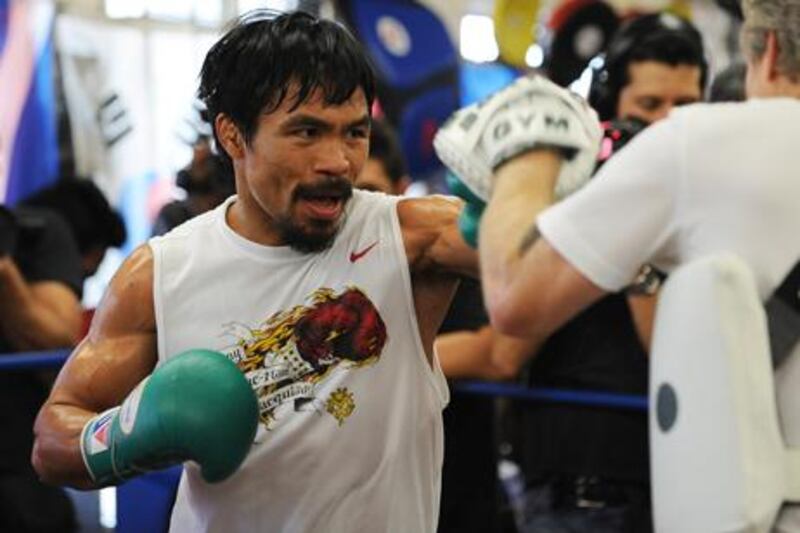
(295, 351)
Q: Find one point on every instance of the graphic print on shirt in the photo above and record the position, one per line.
(293, 351)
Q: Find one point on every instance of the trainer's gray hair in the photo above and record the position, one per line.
(781, 17)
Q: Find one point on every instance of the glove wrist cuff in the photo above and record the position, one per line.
(96, 447)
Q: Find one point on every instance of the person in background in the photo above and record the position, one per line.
(94, 224)
(206, 181)
(40, 288)
(51, 242)
(385, 168)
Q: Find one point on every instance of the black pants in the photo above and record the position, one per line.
(28, 506)
(576, 504)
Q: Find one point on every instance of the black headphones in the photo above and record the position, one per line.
(608, 79)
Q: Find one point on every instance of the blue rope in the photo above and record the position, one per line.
(542, 394)
(56, 358)
(33, 360)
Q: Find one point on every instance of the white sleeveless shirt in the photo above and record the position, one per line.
(350, 436)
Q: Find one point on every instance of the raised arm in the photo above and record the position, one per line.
(118, 352)
(432, 238)
(529, 288)
(509, 152)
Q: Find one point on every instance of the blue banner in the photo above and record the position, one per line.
(28, 138)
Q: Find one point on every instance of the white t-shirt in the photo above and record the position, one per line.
(350, 437)
(709, 178)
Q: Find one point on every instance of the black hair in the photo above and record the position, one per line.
(82, 204)
(660, 37)
(729, 84)
(250, 70)
(209, 176)
(384, 146)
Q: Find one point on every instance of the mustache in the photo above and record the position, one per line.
(336, 186)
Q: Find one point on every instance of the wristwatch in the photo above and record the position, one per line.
(647, 281)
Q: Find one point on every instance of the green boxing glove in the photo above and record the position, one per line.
(197, 406)
(470, 218)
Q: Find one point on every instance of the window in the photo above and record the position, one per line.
(203, 12)
(476, 39)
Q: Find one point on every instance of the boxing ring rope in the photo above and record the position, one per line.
(56, 358)
(33, 360)
(546, 394)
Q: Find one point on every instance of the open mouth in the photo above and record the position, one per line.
(327, 207)
(326, 202)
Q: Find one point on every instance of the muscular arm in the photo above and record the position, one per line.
(118, 352)
(529, 288)
(432, 238)
(436, 255)
(483, 354)
(38, 315)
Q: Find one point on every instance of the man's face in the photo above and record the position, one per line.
(375, 178)
(654, 88)
(296, 174)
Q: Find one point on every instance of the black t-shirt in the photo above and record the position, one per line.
(598, 350)
(172, 215)
(469, 472)
(46, 251)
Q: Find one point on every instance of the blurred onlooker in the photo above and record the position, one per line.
(94, 224)
(40, 287)
(49, 244)
(40, 281)
(385, 169)
(207, 182)
(728, 84)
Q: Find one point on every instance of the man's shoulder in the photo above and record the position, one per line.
(721, 114)
(366, 199)
(366, 205)
(710, 128)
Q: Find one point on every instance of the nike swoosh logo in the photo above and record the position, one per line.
(355, 256)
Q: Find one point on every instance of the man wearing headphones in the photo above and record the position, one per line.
(587, 467)
(652, 64)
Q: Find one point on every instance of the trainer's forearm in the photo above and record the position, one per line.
(468, 355)
(523, 187)
(56, 451)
